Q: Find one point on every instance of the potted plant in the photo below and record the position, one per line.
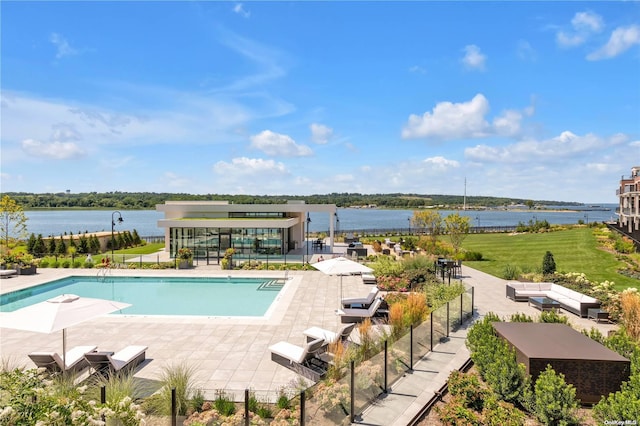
(25, 264)
(185, 258)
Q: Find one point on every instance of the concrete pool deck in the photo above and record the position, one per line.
(229, 353)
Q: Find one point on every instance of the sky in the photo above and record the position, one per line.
(533, 100)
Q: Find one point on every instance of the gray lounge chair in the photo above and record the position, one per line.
(349, 315)
(360, 302)
(74, 359)
(328, 336)
(301, 359)
(110, 362)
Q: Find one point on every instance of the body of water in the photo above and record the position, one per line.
(57, 222)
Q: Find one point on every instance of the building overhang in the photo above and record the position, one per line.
(229, 223)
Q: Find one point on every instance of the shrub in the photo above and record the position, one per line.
(467, 387)
(65, 263)
(630, 304)
(548, 264)
(78, 263)
(553, 316)
(472, 256)
(503, 373)
(180, 377)
(455, 413)
(520, 317)
(555, 400)
(500, 413)
(223, 403)
(510, 272)
(55, 264)
(44, 263)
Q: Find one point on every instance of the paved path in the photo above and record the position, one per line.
(411, 393)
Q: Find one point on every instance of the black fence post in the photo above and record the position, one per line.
(246, 407)
(302, 402)
(411, 347)
(461, 294)
(431, 321)
(447, 319)
(174, 413)
(352, 391)
(103, 398)
(386, 368)
(472, 299)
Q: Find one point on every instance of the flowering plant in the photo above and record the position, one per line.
(185, 253)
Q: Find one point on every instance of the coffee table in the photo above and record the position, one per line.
(597, 314)
(544, 303)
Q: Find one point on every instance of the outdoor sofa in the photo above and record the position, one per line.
(569, 300)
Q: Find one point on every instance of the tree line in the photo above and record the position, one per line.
(149, 200)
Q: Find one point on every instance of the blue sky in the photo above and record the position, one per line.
(536, 100)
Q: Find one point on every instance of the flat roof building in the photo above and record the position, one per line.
(592, 368)
(254, 231)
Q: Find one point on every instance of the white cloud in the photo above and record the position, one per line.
(635, 144)
(240, 10)
(622, 39)
(441, 163)
(525, 51)
(508, 124)
(320, 133)
(587, 20)
(450, 121)
(583, 25)
(277, 144)
(566, 145)
(250, 166)
(62, 45)
(474, 58)
(417, 69)
(53, 150)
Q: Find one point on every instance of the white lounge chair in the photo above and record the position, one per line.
(369, 279)
(74, 359)
(329, 337)
(301, 359)
(8, 273)
(349, 315)
(360, 302)
(110, 362)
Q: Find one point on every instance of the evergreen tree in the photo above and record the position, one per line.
(51, 246)
(94, 244)
(548, 264)
(61, 247)
(83, 244)
(136, 238)
(39, 248)
(31, 243)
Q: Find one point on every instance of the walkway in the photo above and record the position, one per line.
(412, 392)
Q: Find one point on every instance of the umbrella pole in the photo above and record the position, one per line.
(64, 349)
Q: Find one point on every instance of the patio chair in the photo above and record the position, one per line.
(349, 315)
(301, 359)
(360, 302)
(328, 336)
(74, 359)
(109, 362)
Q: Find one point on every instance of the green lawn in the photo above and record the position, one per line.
(574, 250)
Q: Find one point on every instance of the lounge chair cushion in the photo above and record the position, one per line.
(366, 301)
(52, 361)
(297, 354)
(329, 336)
(127, 357)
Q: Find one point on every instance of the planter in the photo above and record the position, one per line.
(184, 263)
(27, 270)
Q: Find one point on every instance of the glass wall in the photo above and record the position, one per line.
(249, 243)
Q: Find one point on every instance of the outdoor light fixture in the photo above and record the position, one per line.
(113, 224)
(306, 243)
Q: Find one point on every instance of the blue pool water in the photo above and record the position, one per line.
(160, 295)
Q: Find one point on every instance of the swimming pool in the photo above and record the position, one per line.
(232, 296)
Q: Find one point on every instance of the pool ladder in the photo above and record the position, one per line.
(103, 273)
